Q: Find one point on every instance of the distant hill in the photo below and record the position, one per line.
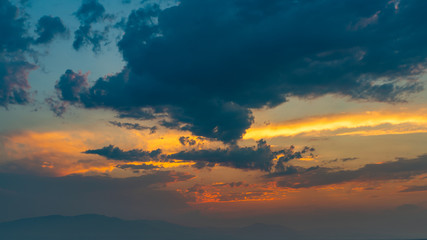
(94, 227)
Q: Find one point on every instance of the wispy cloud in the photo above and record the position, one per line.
(365, 124)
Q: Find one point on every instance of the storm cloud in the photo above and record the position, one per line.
(206, 64)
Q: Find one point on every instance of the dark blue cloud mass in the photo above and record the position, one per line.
(14, 68)
(206, 64)
(48, 27)
(259, 157)
(89, 13)
(16, 50)
(115, 153)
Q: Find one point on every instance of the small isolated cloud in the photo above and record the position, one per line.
(56, 106)
(133, 126)
(187, 141)
(89, 13)
(138, 167)
(349, 159)
(70, 85)
(48, 28)
(69, 89)
(114, 153)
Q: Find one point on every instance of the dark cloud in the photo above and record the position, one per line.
(115, 153)
(70, 85)
(14, 86)
(138, 167)
(200, 165)
(208, 63)
(187, 141)
(134, 126)
(69, 90)
(415, 189)
(402, 169)
(14, 68)
(136, 197)
(349, 159)
(260, 157)
(48, 28)
(136, 113)
(13, 29)
(56, 106)
(89, 13)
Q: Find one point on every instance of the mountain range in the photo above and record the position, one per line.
(93, 227)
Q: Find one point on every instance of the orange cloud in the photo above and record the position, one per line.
(59, 153)
(365, 124)
(234, 192)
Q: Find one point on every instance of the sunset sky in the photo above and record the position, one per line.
(307, 114)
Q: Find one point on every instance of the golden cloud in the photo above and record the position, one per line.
(365, 124)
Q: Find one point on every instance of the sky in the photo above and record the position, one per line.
(307, 114)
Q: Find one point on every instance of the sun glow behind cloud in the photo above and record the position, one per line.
(365, 124)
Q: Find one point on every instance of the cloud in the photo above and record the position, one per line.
(59, 153)
(136, 113)
(206, 64)
(402, 169)
(349, 159)
(368, 123)
(260, 157)
(14, 68)
(56, 106)
(69, 88)
(233, 192)
(14, 86)
(70, 85)
(133, 126)
(187, 141)
(48, 28)
(415, 189)
(13, 28)
(115, 153)
(52, 153)
(138, 167)
(89, 13)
